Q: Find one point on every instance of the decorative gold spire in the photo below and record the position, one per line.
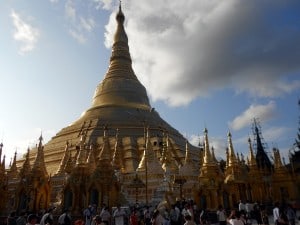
(120, 86)
(3, 162)
(207, 155)
(277, 159)
(238, 158)
(64, 160)
(252, 160)
(232, 157)
(154, 165)
(187, 159)
(69, 164)
(117, 157)
(81, 157)
(39, 166)
(188, 167)
(213, 155)
(26, 168)
(169, 164)
(91, 162)
(13, 172)
(1, 146)
(104, 157)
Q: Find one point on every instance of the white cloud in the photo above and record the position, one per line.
(80, 22)
(192, 48)
(263, 112)
(87, 24)
(78, 36)
(104, 4)
(70, 10)
(25, 33)
(219, 144)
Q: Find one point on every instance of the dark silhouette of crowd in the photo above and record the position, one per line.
(180, 213)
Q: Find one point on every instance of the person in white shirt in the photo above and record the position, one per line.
(105, 215)
(88, 215)
(242, 207)
(119, 215)
(221, 215)
(235, 218)
(276, 213)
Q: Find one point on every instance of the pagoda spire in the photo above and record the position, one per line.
(169, 164)
(104, 157)
(277, 159)
(39, 162)
(120, 86)
(232, 160)
(252, 161)
(3, 162)
(188, 167)
(213, 156)
(1, 146)
(26, 168)
(117, 158)
(207, 153)
(262, 159)
(91, 159)
(81, 157)
(69, 164)
(154, 166)
(13, 168)
(64, 160)
(188, 159)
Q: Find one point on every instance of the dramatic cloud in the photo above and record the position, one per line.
(26, 34)
(186, 49)
(263, 112)
(80, 25)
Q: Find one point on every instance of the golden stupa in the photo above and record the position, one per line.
(120, 151)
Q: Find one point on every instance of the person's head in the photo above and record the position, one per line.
(220, 207)
(50, 210)
(233, 214)
(98, 219)
(66, 210)
(32, 219)
(187, 217)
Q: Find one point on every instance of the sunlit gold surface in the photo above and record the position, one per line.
(107, 148)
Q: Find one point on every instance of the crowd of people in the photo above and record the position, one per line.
(181, 213)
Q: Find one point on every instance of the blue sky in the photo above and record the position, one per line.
(214, 64)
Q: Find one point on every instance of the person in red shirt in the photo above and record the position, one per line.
(134, 218)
